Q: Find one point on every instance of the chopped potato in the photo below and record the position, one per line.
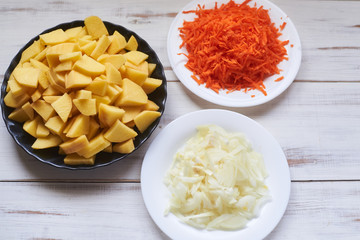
(84, 91)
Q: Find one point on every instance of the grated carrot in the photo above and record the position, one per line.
(232, 47)
(282, 26)
(279, 79)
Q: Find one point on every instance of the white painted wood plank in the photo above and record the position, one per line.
(316, 124)
(323, 210)
(329, 30)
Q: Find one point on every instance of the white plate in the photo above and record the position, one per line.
(237, 98)
(160, 154)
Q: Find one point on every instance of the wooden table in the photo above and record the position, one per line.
(316, 121)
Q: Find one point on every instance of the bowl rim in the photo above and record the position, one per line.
(10, 123)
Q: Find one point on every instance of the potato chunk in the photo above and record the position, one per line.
(144, 119)
(136, 57)
(83, 91)
(74, 145)
(28, 76)
(47, 142)
(89, 66)
(95, 27)
(55, 37)
(124, 147)
(119, 132)
(75, 159)
(63, 106)
(132, 95)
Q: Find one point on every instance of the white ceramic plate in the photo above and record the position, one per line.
(237, 98)
(160, 154)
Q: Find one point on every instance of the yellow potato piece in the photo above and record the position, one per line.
(63, 106)
(119, 132)
(136, 76)
(50, 99)
(82, 33)
(109, 114)
(150, 105)
(54, 37)
(131, 113)
(54, 52)
(51, 91)
(28, 110)
(55, 125)
(34, 49)
(96, 145)
(95, 27)
(28, 76)
(132, 44)
(11, 101)
(72, 33)
(132, 95)
(76, 79)
(63, 66)
(88, 48)
(36, 95)
(41, 130)
(93, 128)
(112, 74)
(56, 81)
(151, 84)
(101, 46)
(74, 145)
(101, 99)
(98, 87)
(108, 149)
(89, 66)
(151, 68)
(73, 56)
(37, 64)
(44, 109)
(79, 127)
(118, 43)
(124, 147)
(75, 159)
(47, 142)
(16, 89)
(86, 107)
(142, 67)
(44, 80)
(19, 115)
(117, 60)
(135, 57)
(83, 94)
(113, 92)
(30, 126)
(145, 119)
(42, 55)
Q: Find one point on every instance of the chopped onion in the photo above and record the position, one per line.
(217, 181)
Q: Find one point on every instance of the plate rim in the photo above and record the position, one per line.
(145, 168)
(206, 93)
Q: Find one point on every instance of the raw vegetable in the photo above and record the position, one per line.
(216, 180)
(232, 47)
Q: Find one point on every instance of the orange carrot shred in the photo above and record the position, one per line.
(282, 26)
(232, 46)
(279, 79)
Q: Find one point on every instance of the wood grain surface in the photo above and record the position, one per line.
(316, 122)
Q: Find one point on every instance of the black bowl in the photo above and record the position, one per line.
(51, 156)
